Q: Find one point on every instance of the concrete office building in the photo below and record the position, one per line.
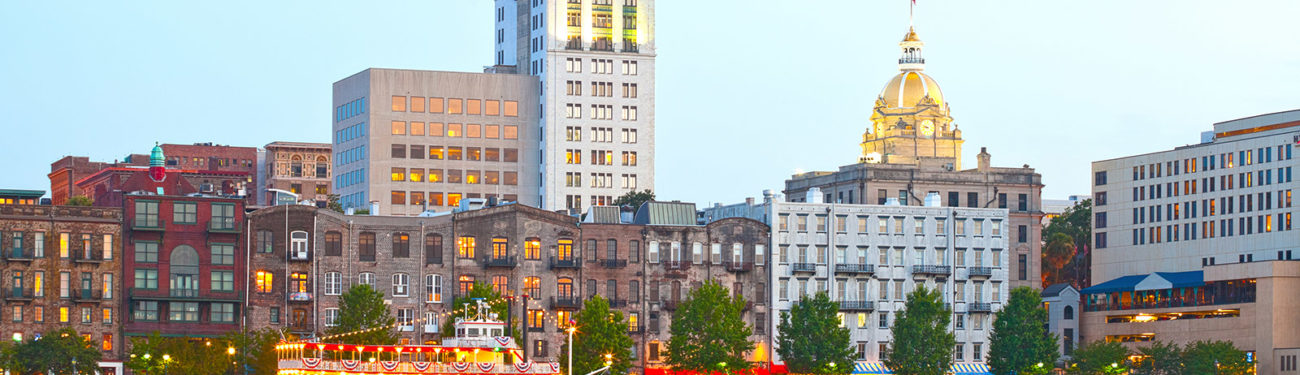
(869, 257)
(595, 61)
(417, 140)
(912, 148)
(1197, 242)
(297, 167)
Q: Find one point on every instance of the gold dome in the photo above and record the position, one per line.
(907, 89)
(911, 35)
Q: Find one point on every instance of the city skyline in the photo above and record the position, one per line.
(1013, 69)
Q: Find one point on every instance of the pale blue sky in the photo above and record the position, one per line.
(748, 91)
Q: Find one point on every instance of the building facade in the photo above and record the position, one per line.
(299, 168)
(1200, 231)
(414, 140)
(236, 164)
(62, 269)
(912, 148)
(1063, 315)
(869, 257)
(595, 62)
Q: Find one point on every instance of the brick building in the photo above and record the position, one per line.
(61, 267)
(297, 167)
(227, 168)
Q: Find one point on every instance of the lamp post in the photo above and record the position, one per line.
(570, 330)
(230, 351)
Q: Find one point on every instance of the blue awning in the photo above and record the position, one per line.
(1122, 284)
(1187, 279)
(1154, 281)
(957, 368)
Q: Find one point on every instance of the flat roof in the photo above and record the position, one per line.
(22, 193)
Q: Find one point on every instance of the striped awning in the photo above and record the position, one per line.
(957, 369)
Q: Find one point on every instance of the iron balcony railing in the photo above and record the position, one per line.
(855, 268)
(677, 264)
(87, 295)
(979, 307)
(614, 263)
(931, 270)
(19, 293)
(571, 262)
(502, 262)
(979, 271)
(803, 267)
(738, 266)
(857, 305)
(566, 302)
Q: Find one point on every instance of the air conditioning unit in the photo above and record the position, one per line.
(205, 187)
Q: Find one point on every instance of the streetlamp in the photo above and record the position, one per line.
(230, 351)
(609, 359)
(570, 330)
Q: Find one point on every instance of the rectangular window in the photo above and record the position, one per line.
(145, 311)
(223, 216)
(146, 214)
(223, 254)
(223, 281)
(185, 212)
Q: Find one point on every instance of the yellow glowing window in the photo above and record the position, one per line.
(63, 245)
(435, 105)
(399, 174)
(453, 199)
(417, 174)
(609, 158)
(417, 198)
(453, 153)
(298, 282)
(1268, 223)
(435, 129)
(417, 104)
(564, 249)
(435, 152)
(465, 246)
(512, 132)
(264, 281)
(471, 177)
(492, 131)
(474, 107)
(473, 131)
(398, 197)
(417, 128)
(512, 108)
(455, 106)
(493, 108)
(500, 248)
(631, 322)
(107, 344)
(63, 315)
(491, 177)
(532, 249)
(562, 318)
(453, 130)
(399, 127)
(399, 103)
(435, 199)
(435, 175)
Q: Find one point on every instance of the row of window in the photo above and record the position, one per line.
(887, 256)
(32, 245)
(574, 202)
(349, 178)
(435, 199)
(68, 288)
(600, 112)
(888, 224)
(600, 157)
(601, 89)
(1188, 210)
(455, 176)
(605, 135)
(455, 130)
(1190, 231)
(600, 66)
(1208, 162)
(600, 180)
(350, 155)
(509, 155)
(147, 214)
(182, 312)
(796, 289)
(350, 133)
(219, 254)
(349, 110)
(1208, 184)
(455, 106)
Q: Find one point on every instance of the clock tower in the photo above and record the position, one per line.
(910, 122)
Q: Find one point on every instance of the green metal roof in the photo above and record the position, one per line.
(666, 213)
(22, 193)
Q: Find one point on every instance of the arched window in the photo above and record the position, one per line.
(466, 283)
(322, 167)
(564, 287)
(533, 287)
(295, 166)
(533, 248)
(433, 248)
(298, 245)
(184, 278)
(1069, 312)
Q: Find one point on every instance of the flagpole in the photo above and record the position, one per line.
(911, 9)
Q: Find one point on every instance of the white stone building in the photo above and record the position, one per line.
(595, 61)
(1062, 304)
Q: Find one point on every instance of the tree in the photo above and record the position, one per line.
(80, 200)
(332, 202)
(922, 344)
(155, 354)
(362, 308)
(1075, 222)
(1057, 254)
(811, 338)
(1099, 357)
(255, 350)
(708, 333)
(496, 305)
(1159, 359)
(635, 198)
(1018, 344)
(1214, 357)
(59, 351)
(600, 332)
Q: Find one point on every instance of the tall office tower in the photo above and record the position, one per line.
(595, 62)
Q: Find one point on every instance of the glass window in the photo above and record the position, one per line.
(264, 281)
(223, 216)
(512, 108)
(465, 247)
(493, 107)
(511, 132)
(433, 288)
(399, 127)
(333, 283)
(417, 104)
(146, 252)
(223, 254)
(455, 106)
(223, 313)
(435, 105)
(399, 103)
(185, 212)
(473, 131)
(223, 281)
(146, 214)
(473, 107)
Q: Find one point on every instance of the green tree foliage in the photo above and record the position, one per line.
(600, 332)
(1099, 357)
(1018, 344)
(332, 202)
(80, 200)
(155, 354)
(1214, 357)
(635, 198)
(496, 305)
(59, 351)
(922, 344)
(1159, 358)
(708, 333)
(361, 309)
(811, 340)
(1075, 222)
(255, 350)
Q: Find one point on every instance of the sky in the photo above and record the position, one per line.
(747, 92)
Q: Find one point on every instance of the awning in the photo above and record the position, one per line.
(1154, 281)
(957, 368)
(1122, 284)
(870, 368)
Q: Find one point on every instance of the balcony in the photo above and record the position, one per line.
(502, 262)
(155, 225)
(86, 295)
(979, 307)
(631, 48)
(803, 267)
(855, 268)
(566, 303)
(677, 264)
(911, 60)
(18, 255)
(857, 305)
(89, 259)
(405, 328)
(614, 263)
(300, 297)
(430, 328)
(301, 255)
(979, 271)
(561, 263)
(19, 294)
(223, 226)
(614, 302)
(573, 44)
(185, 295)
(738, 266)
(635, 330)
(931, 270)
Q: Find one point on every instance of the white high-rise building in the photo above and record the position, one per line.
(595, 62)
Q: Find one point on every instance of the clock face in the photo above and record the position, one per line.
(927, 128)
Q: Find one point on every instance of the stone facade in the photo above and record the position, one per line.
(61, 268)
(228, 168)
(297, 167)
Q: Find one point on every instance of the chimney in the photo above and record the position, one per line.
(984, 159)
(749, 201)
(814, 195)
(768, 196)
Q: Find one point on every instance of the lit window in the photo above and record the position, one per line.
(264, 280)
